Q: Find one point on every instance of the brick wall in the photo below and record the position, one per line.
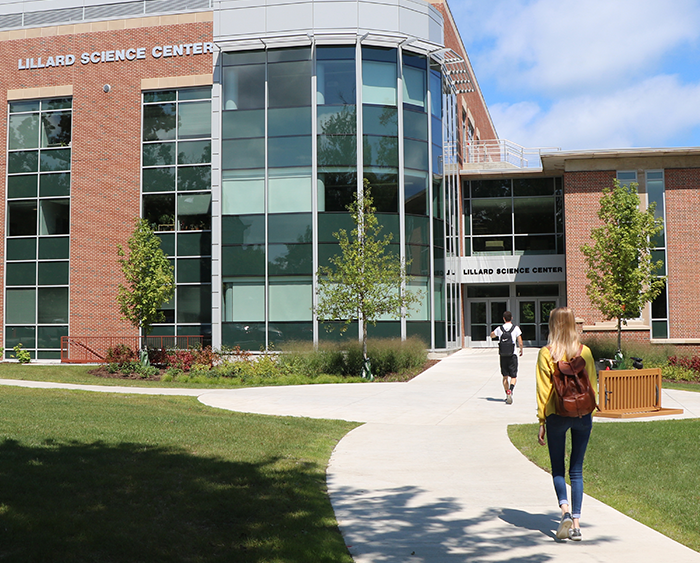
(105, 187)
(683, 249)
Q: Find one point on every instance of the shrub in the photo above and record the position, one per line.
(679, 373)
(120, 354)
(691, 363)
(23, 356)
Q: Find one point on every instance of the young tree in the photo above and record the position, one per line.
(620, 269)
(150, 280)
(364, 282)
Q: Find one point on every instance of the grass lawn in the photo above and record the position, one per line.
(647, 470)
(88, 477)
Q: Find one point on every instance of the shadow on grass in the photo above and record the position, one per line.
(139, 503)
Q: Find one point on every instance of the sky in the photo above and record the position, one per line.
(587, 74)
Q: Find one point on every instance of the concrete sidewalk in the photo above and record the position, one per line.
(432, 477)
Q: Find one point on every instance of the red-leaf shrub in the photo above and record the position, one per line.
(692, 362)
(121, 354)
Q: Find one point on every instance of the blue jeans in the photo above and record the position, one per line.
(556, 440)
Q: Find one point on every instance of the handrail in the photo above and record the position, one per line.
(495, 153)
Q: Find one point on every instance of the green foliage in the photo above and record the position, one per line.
(621, 274)
(365, 282)
(149, 277)
(23, 356)
(679, 373)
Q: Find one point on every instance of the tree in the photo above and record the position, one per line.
(365, 282)
(150, 280)
(620, 268)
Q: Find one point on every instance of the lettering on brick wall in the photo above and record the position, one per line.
(116, 55)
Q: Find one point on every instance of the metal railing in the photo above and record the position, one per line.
(501, 153)
(94, 349)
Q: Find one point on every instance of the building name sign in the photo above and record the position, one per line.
(116, 55)
(505, 269)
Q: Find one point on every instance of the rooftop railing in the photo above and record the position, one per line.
(501, 153)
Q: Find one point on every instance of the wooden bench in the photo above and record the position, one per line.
(631, 393)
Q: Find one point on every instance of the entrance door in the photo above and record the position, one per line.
(484, 316)
(533, 318)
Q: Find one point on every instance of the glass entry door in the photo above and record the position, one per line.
(484, 316)
(533, 318)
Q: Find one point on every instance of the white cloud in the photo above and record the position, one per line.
(550, 46)
(650, 114)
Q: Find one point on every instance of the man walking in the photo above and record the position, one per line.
(508, 335)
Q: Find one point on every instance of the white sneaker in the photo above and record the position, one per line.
(564, 526)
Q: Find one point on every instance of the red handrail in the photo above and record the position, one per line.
(94, 349)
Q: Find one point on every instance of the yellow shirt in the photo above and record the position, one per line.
(546, 401)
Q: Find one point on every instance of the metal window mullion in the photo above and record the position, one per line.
(402, 184)
(265, 206)
(314, 193)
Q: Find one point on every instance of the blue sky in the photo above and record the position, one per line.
(587, 74)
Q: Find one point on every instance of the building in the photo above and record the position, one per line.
(526, 220)
(240, 132)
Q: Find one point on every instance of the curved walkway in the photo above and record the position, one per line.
(432, 476)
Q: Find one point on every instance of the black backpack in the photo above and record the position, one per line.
(506, 346)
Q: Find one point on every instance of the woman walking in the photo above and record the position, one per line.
(563, 345)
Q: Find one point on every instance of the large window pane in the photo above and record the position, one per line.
(54, 184)
(52, 305)
(289, 259)
(159, 179)
(490, 188)
(289, 121)
(158, 154)
(379, 83)
(380, 151)
(22, 161)
(243, 124)
(194, 304)
(21, 273)
(534, 215)
(194, 212)
(380, 120)
(244, 302)
(247, 153)
(22, 221)
(416, 192)
(21, 186)
(53, 273)
(289, 227)
(416, 154)
(21, 249)
(414, 91)
(194, 152)
(23, 131)
(24, 335)
(54, 218)
(491, 216)
(56, 129)
(159, 211)
(290, 301)
(289, 190)
(536, 244)
(20, 307)
(289, 84)
(385, 190)
(337, 150)
(289, 151)
(336, 82)
(243, 261)
(194, 244)
(194, 270)
(243, 192)
(533, 186)
(54, 248)
(159, 122)
(336, 189)
(50, 336)
(337, 120)
(244, 87)
(194, 178)
(194, 120)
(55, 160)
(415, 125)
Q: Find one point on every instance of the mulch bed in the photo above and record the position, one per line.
(101, 371)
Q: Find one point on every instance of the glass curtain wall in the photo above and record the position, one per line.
(284, 193)
(513, 217)
(38, 226)
(176, 200)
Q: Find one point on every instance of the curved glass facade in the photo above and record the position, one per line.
(301, 128)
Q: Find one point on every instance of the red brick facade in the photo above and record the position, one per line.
(105, 175)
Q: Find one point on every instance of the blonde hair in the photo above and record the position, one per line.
(563, 341)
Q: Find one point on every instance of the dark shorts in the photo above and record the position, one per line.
(509, 366)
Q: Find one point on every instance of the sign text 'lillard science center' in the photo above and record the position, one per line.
(116, 55)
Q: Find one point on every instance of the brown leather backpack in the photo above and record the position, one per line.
(575, 395)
